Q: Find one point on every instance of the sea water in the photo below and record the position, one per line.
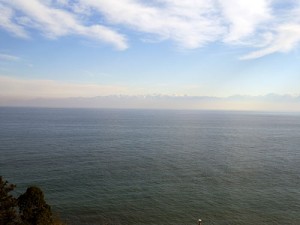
(153, 167)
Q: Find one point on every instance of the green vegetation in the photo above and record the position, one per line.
(29, 208)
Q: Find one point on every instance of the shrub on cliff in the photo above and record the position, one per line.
(8, 204)
(29, 209)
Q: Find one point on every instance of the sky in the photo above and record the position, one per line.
(88, 48)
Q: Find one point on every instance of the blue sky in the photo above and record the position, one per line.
(86, 48)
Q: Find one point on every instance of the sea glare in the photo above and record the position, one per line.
(153, 167)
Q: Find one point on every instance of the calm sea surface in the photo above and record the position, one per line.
(156, 167)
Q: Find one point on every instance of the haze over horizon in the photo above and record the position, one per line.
(61, 49)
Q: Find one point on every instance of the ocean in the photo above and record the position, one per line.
(156, 167)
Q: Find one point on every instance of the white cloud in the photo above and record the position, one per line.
(191, 24)
(244, 17)
(54, 22)
(6, 23)
(260, 24)
(284, 35)
(194, 23)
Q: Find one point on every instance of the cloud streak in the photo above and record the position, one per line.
(7, 57)
(28, 89)
(262, 25)
(285, 39)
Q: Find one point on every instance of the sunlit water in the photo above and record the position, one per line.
(156, 167)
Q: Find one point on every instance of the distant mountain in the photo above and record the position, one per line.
(236, 102)
(268, 97)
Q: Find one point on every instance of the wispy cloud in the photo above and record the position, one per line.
(277, 46)
(7, 57)
(259, 24)
(285, 38)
